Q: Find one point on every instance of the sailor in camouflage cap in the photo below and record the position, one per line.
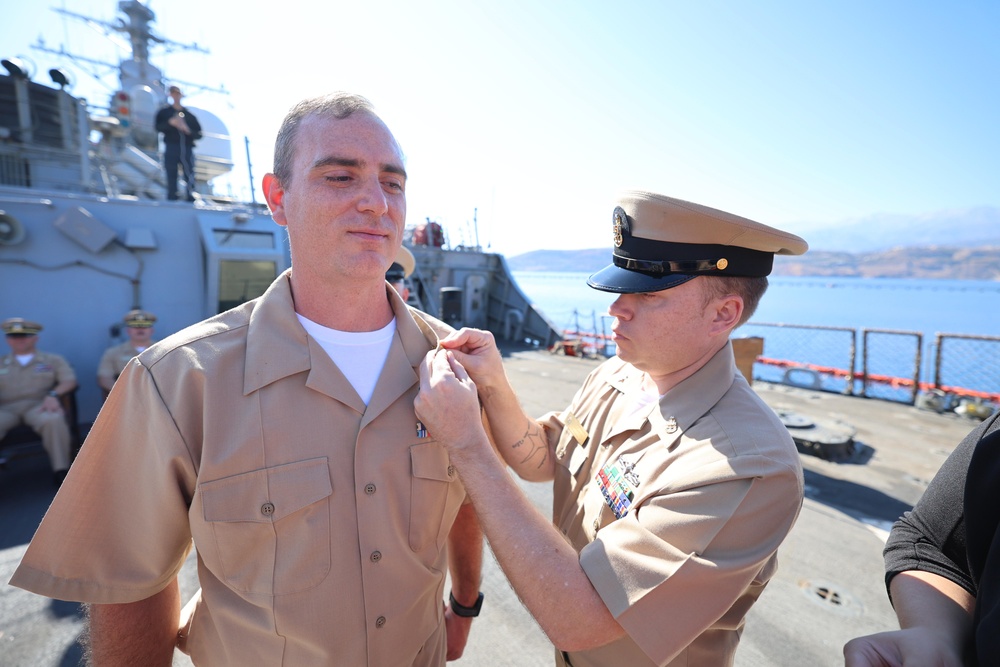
(18, 326)
(661, 242)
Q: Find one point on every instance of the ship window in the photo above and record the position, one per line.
(228, 238)
(240, 281)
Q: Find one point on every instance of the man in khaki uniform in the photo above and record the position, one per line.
(280, 436)
(31, 383)
(401, 269)
(139, 329)
(674, 483)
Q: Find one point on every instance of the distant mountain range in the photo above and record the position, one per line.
(960, 244)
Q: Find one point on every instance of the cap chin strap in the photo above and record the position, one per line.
(690, 258)
(666, 267)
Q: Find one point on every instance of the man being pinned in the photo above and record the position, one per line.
(31, 384)
(279, 439)
(139, 329)
(674, 483)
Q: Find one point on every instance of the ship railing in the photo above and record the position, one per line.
(953, 371)
(948, 372)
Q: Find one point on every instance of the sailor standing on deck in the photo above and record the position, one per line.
(31, 383)
(279, 438)
(674, 483)
(139, 329)
(180, 130)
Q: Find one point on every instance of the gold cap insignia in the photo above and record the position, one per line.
(618, 225)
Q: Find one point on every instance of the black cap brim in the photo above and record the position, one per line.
(613, 278)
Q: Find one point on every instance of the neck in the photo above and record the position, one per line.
(351, 307)
(666, 382)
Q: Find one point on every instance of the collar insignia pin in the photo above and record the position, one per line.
(671, 424)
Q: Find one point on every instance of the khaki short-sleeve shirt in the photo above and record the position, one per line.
(115, 359)
(320, 524)
(707, 483)
(34, 380)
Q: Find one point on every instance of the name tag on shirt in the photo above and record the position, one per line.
(576, 428)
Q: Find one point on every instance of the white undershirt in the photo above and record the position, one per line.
(360, 355)
(641, 402)
(25, 359)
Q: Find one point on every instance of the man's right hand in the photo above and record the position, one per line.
(180, 124)
(913, 647)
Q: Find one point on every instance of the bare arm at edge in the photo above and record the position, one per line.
(465, 563)
(935, 617)
(135, 633)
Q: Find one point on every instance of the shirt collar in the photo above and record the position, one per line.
(277, 345)
(684, 404)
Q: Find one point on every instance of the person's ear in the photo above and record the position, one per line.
(728, 311)
(274, 193)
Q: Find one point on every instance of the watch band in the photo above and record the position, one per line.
(462, 610)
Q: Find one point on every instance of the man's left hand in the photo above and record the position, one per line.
(51, 404)
(448, 405)
(457, 629)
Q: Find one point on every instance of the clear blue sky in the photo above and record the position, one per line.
(797, 114)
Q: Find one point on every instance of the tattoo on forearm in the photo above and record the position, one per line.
(536, 443)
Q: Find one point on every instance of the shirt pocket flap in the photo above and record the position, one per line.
(269, 494)
(430, 461)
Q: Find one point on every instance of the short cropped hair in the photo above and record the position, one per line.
(749, 289)
(337, 105)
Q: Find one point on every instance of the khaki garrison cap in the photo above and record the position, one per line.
(140, 319)
(402, 267)
(661, 242)
(20, 326)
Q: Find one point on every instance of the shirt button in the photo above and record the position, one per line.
(267, 509)
(451, 471)
(376, 556)
(380, 621)
(369, 488)
(597, 525)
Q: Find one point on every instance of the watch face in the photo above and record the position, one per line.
(462, 610)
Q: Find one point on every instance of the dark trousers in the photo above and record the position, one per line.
(174, 155)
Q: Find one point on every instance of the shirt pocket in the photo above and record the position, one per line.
(433, 495)
(272, 526)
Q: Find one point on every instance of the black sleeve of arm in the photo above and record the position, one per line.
(931, 537)
(162, 118)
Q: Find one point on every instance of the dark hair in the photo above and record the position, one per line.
(337, 105)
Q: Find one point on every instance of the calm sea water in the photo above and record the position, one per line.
(926, 306)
